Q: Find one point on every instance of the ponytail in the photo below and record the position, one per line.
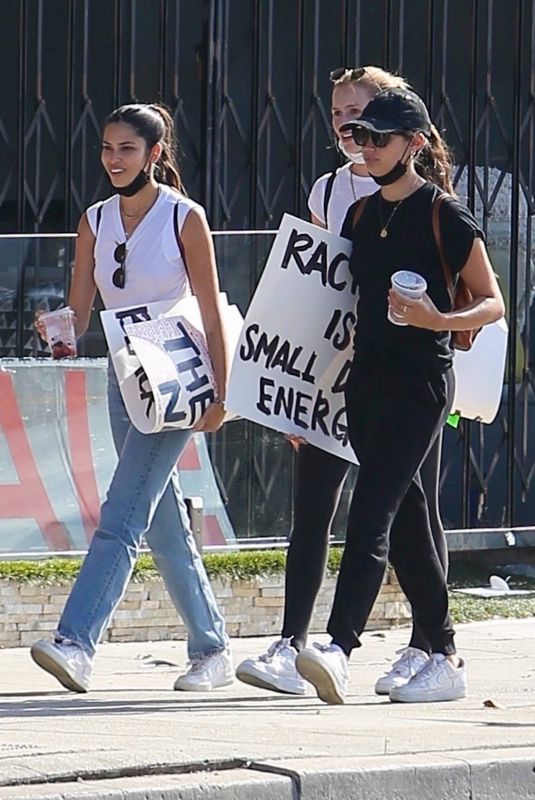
(167, 164)
(434, 162)
(153, 123)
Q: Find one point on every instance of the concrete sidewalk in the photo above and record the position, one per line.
(133, 737)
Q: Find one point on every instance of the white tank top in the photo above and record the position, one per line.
(154, 269)
(347, 188)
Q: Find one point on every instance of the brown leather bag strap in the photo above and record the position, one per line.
(357, 214)
(439, 199)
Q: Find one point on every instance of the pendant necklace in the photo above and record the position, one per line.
(384, 225)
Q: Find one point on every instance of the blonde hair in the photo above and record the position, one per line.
(374, 79)
(434, 161)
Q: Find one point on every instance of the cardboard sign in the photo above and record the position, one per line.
(294, 353)
(162, 362)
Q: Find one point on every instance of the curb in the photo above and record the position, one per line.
(470, 775)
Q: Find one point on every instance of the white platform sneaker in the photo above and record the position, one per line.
(274, 670)
(438, 680)
(67, 662)
(411, 660)
(325, 666)
(205, 674)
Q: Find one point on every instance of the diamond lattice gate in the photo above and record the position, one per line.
(247, 81)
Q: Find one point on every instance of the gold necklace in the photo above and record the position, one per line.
(140, 213)
(383, 233)
(132, 216)
(384, 225)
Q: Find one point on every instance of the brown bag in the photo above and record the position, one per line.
(359, 208)
(460, 294)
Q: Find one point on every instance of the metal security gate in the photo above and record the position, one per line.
(247, 81)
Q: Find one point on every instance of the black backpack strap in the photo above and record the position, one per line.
(328, 192)
(99, 217)
(179, 240)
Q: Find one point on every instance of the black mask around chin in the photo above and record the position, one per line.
(398, 170)
(135, 186)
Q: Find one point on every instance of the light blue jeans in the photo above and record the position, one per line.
(144, 499)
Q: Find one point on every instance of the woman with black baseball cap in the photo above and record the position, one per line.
(401, 386)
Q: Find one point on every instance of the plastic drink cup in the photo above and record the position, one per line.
(60, 334)
(408, 284)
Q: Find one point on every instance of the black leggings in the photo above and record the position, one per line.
(395, 414)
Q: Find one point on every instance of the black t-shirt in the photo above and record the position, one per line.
(411, 245)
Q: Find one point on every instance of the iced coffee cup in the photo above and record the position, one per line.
(60, 333)
(408, 284)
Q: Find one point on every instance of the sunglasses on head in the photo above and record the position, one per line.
(361, 136)
(119, 276)
(353, 74)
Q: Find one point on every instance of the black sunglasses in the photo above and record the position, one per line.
(353, 74)
(119, 276)
(361, 136)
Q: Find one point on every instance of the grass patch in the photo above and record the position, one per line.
(467, 608)
(244, 565)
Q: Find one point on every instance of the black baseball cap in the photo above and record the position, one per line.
(392, 111)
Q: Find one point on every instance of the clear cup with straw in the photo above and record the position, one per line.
(60, 333)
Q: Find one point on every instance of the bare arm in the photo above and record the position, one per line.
(200, 257)
(487, 305)
(83, 288)
(317, 221)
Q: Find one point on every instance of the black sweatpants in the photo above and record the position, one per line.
(320, 478)
(395, 414)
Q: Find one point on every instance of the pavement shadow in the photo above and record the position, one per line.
(57, 704)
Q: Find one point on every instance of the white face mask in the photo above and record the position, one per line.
(355, 158)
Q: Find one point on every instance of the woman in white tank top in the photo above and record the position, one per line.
(128, 250)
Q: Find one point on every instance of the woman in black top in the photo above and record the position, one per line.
(319, 475)
(400, 389)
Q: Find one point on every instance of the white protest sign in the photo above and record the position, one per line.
(295, 351)
(293, 356)
(162, 362)
(479, 374)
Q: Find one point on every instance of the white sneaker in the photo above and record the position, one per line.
(411, 660)
(325, 666)
(67, 662)
(274, 669)
(205, 674)
(436, 681)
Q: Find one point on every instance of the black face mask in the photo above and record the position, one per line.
(135, 186)
(398, 170)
